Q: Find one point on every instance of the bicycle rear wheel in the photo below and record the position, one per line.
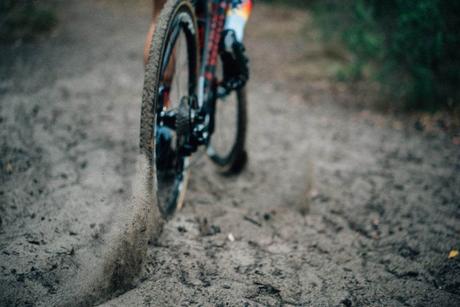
(170, 80)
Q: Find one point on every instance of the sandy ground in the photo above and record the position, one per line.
(336, 207)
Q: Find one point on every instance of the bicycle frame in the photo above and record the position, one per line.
(211, 15)
(210, 26)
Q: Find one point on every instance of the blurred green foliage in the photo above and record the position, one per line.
(411, 47)
(24, 19)
(301, 4)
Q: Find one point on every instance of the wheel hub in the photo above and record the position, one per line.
(183, 119)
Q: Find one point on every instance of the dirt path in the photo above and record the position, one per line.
(383, 198)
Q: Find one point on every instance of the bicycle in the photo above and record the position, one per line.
(184, 100)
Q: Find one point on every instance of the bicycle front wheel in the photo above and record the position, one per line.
(227, 146)
(170, 80)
